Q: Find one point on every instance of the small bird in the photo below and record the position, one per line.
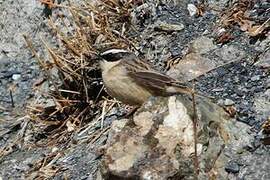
(132, 80)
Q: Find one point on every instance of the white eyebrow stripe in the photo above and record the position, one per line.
(113, 51)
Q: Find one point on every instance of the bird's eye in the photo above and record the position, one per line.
(113, 55)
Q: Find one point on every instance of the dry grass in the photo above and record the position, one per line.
(78, 91)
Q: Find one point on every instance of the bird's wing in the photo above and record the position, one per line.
(132, 63)
(157, 83)
(146, 76)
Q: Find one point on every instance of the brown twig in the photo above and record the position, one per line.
(195, 121)
(63, 38)
(11, 98)
(98, 135)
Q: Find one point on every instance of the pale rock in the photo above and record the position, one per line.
(144, 122)
(16, 77)
(158, 141)
(192, 9)
(228, 102)
(195, 63)
(125, 155)
(70, 126)
(191, 66)
(55, 149)
(168, 27)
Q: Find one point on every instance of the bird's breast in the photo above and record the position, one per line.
(119, 85)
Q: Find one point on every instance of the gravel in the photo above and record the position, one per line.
(236, 84)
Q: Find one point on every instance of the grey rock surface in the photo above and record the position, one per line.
(18, 18)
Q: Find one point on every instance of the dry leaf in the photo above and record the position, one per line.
(266, 126)
(258, 29)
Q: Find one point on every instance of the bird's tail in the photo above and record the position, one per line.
(184, 88)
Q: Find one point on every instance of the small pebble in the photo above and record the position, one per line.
(55, 149)
(232, 167)
(192, 9)
(16, 77)
(228, 102)
(167, 27)
(255, 78)
(221, 31)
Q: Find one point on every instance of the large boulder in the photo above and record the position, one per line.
(158, 141)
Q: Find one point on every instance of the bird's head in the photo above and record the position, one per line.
(112, 57)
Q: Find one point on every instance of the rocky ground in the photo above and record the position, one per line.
(235, 72)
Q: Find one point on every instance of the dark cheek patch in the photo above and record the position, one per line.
(111, 57)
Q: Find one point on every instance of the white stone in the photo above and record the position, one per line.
(228, 102)
(16, 77)
(55, 149)
(192, 9)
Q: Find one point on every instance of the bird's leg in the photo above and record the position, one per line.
(131, 111)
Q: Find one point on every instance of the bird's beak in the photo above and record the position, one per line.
(97, 57)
